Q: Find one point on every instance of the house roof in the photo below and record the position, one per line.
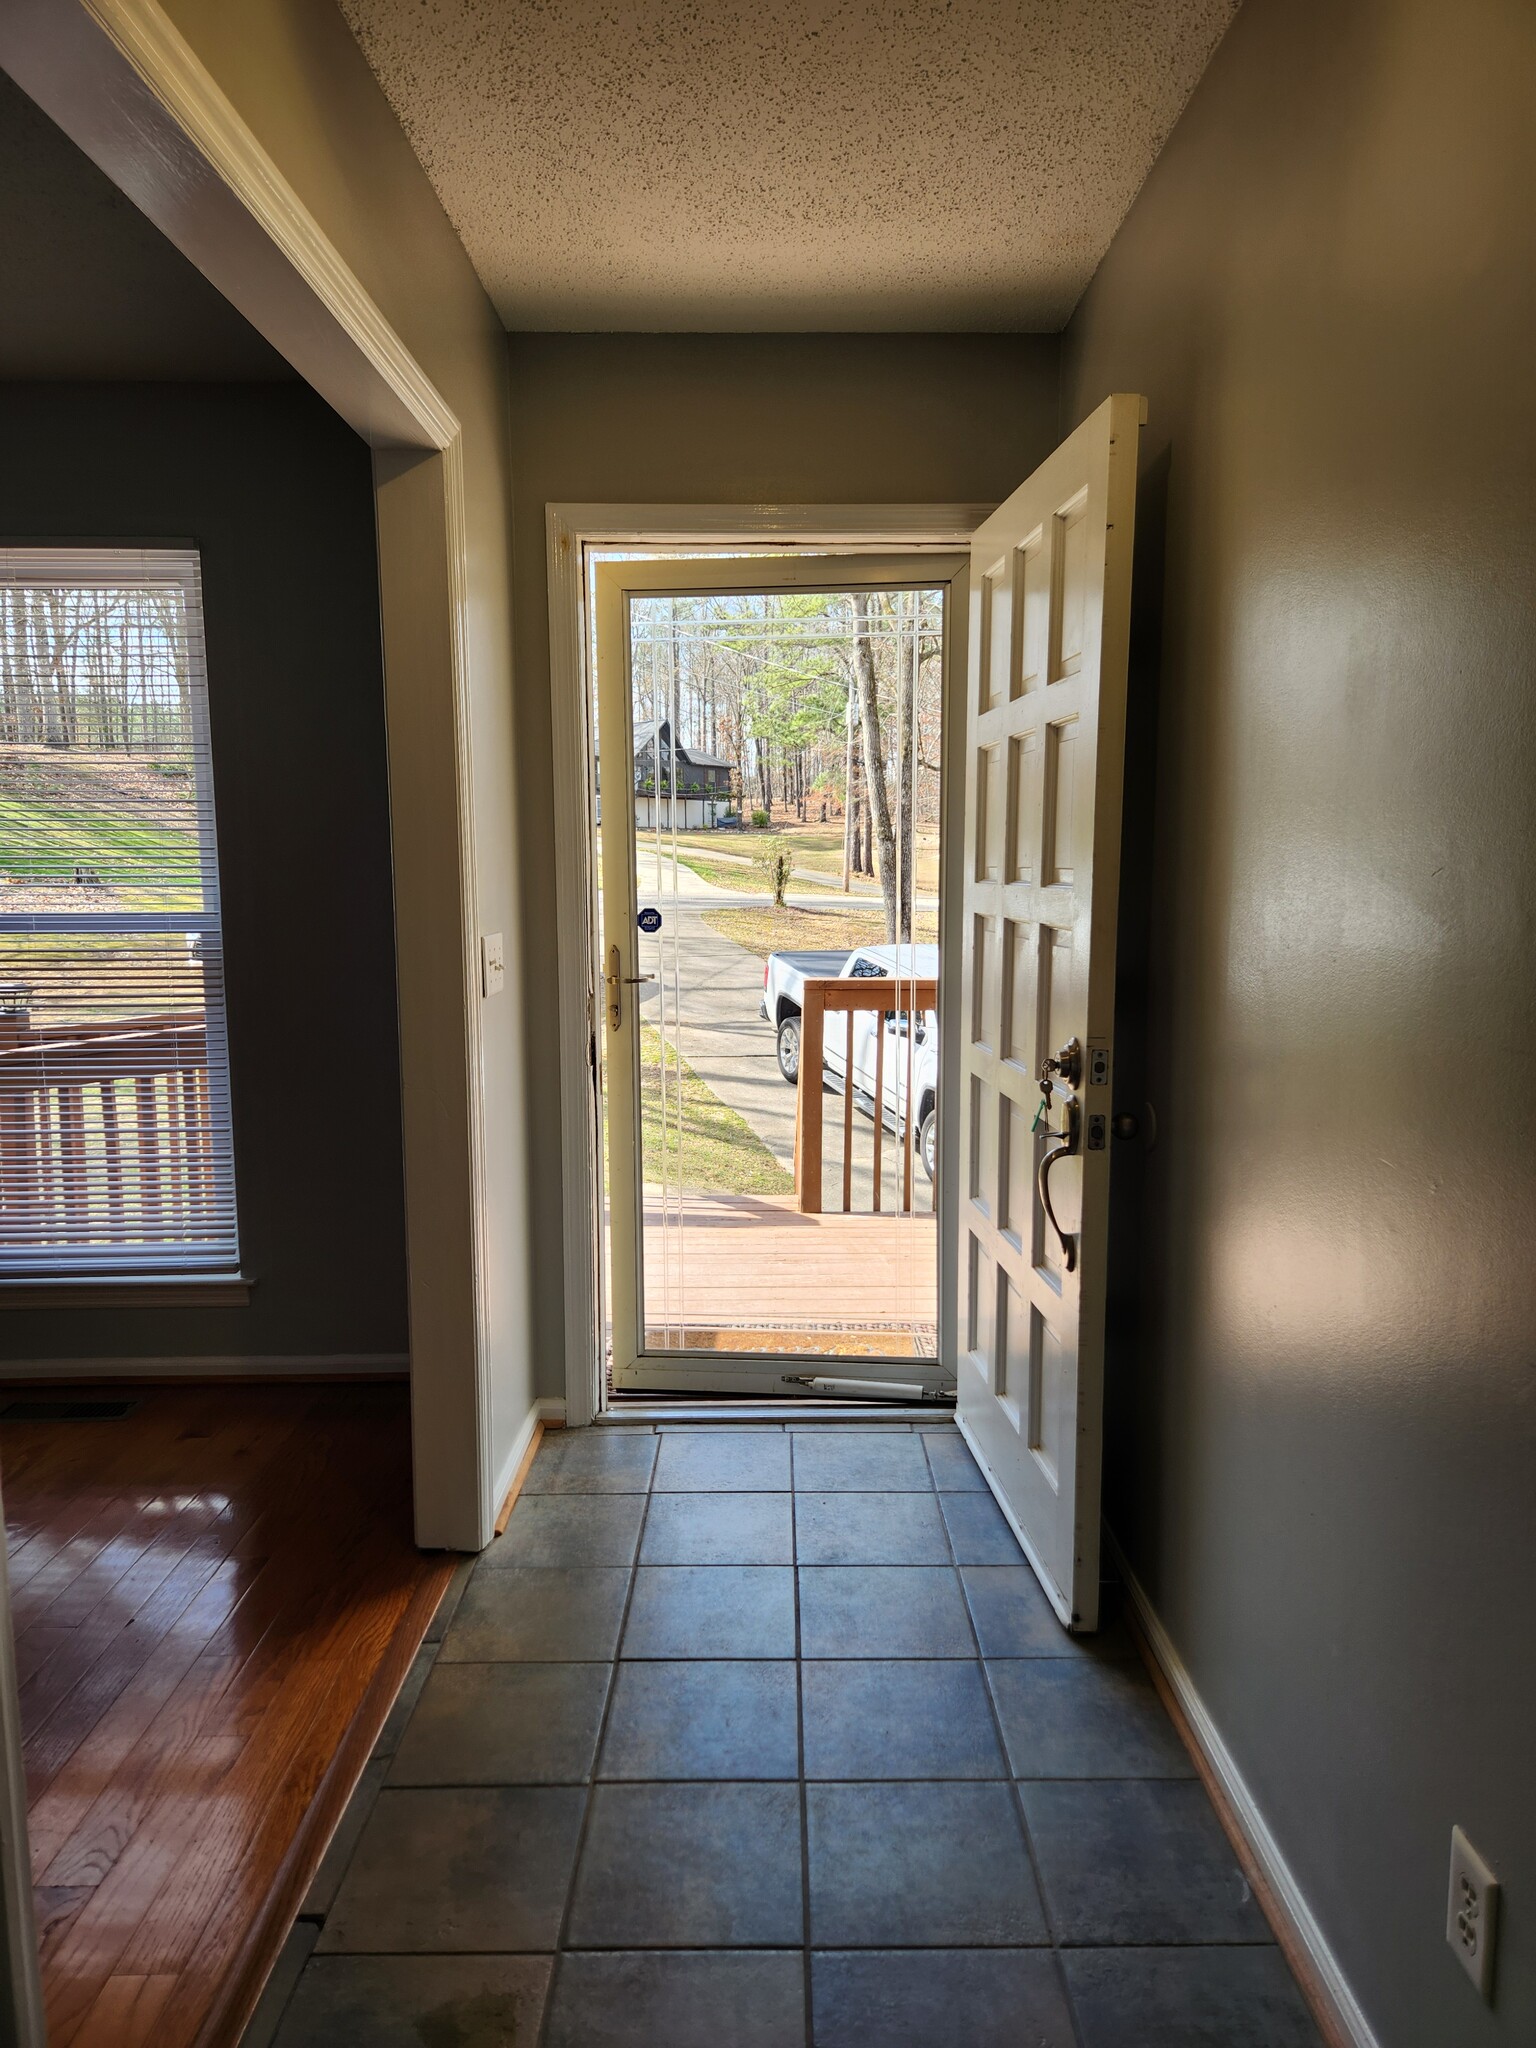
(696, 757)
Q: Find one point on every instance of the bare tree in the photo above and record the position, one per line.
(850, 813)
(875, 788)
(906, 748)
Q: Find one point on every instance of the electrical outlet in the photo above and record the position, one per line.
(493, 965)
(1471, 1917)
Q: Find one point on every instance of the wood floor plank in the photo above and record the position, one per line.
(261, 1799)
(248, 1579)
(73, 1766)
(55, 1907)
(42, 1592)
(240, 1952)
(63, 1517)
(90, 1675)
(126, 2013)
(234, 1656)
(159, 1885)
(213, 1582)
(91, 1611)
(168, 1756)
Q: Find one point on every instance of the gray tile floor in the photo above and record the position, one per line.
(744, 1738)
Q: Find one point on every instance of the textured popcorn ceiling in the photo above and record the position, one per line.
(792, 164)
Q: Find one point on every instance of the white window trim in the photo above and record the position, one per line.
(180, 1282)
(129, 1290)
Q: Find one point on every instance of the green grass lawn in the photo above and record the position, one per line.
(765, 931)
(42, 842)
(87, 977)
(720, 1153)
(819, 847)
(746, 881)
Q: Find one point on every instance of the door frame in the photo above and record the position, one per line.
(573, 531)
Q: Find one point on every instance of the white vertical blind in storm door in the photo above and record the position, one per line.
(115, 1147)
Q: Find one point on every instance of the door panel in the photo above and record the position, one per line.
(1051, 583)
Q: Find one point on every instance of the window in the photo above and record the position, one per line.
(115, 1147)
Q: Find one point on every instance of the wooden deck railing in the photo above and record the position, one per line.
(106, 1133)
(906, 998)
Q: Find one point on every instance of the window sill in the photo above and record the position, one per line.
(128, 1290)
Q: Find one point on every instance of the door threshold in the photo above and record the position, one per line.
(621, 1410)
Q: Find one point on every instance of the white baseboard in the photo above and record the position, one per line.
(320, 1365)
(1329, 1979)
(548, 1412)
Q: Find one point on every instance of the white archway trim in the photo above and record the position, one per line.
(120, 79)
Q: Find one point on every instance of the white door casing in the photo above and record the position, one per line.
(1044, 748)
(573, 532)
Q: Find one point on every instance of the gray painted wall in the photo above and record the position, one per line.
(726, 419)
(91, 288)
(277, 495)
(1322, 1459)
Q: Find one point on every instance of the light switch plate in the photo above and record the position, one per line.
(493, 966)
(1472, 1913)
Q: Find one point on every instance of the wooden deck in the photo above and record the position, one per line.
(751, 1273)
(212, 1600)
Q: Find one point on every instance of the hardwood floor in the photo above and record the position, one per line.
(213, 1599)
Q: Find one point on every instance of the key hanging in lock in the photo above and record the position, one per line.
(1069, 1064)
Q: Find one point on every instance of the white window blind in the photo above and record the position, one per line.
(115, 1147)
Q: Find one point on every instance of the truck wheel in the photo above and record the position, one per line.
(789, 1049)
(928, 1142)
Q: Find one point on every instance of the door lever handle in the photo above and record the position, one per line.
(1072, 1118)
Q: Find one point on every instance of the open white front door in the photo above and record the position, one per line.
(1044, 761)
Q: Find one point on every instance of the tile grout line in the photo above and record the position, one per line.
(779, 1948)
(805, 1828)
(1013, 1783)
(843, 1778)
(1058, 1946)
(562, 1933)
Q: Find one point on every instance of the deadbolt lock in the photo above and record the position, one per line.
(615, 981)
(1068, 1063)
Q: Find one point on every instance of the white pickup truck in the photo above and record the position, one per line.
(784, 979)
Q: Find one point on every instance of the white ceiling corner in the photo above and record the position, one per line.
(720, 165)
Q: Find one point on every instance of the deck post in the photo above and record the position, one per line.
(808, 1104)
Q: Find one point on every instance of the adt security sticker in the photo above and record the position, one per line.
(649, 920)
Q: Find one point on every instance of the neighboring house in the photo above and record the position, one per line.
(678, 785)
